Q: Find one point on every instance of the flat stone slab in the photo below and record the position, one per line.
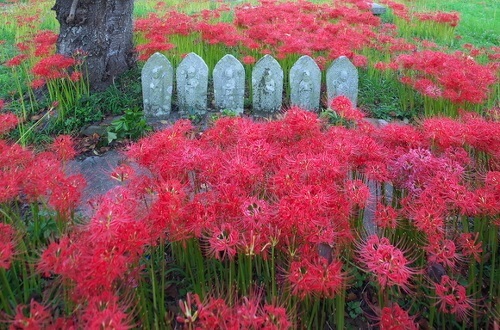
(97, 173)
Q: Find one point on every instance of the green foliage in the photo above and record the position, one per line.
(354, 309)
(223, 113)
(479, 24)
(132, 125)
(124, 94)
(382, 98)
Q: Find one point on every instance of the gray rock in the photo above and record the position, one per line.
(229, 84)
(378, 9)
(94, 129)
(305, 84)
(267, 85)
(192, 85)
(342, 79)
(97, 173)
(157, 82)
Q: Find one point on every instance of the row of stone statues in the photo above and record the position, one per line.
(229, 84)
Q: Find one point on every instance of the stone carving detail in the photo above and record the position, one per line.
(229, 84)
(305, 84)
(192, 85)
(157, 82)
(342, 79)
(267, 85)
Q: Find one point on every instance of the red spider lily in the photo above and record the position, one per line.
(452, 298)
(325, 279)
(386, 216)
(396, 318)
(444, 132)
(75, 76)
(224, 33)
(444, 253)
(386, 262)
(248, 313)
(452, 76)
(214, 314)
(343, 106)
(146, 50)
(450, 19)
(54, 259)
(316, 276)
(45, 42)
(275, 318)
(37, 83)
(63, 148)
(470, 246)
(13, 160)
(398, 9)
(399, 138)
(223, 242)
(483, 135)
(38, 317)
(7, 245)
(7, 121)
(65, 194)
(357, 192)
(122, 173)
(248, 60)
(103, 312)
(53, 67)
(16, 61)
(101, 252)
(189, 309)
(360, 61)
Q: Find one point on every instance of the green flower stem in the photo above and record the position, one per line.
(8, 290)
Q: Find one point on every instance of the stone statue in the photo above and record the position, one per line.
(305, 84)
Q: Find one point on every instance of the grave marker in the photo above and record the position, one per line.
(157, 82)
(342, 79)
(305, 84)
(267, 85)
(192, 85)
(229, 84)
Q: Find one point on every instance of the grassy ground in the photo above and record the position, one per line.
(479, 19)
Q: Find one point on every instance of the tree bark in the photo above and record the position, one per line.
(103, 30)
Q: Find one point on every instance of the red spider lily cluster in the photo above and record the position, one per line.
(452, 298)
(6, 245)
(451, 18)
(38, 177)
(244, 187)
(344, 108)
(281, 28)
(396, 318)
(285, 192)
(386, 262)
(39, 50)
(216, 314)
(455, 77)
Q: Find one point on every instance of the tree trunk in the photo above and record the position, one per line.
(103, 30)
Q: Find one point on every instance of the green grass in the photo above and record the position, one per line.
(479, 19)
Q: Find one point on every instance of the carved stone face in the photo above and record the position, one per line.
(228, 73)
(343, 75)
(191, 72)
